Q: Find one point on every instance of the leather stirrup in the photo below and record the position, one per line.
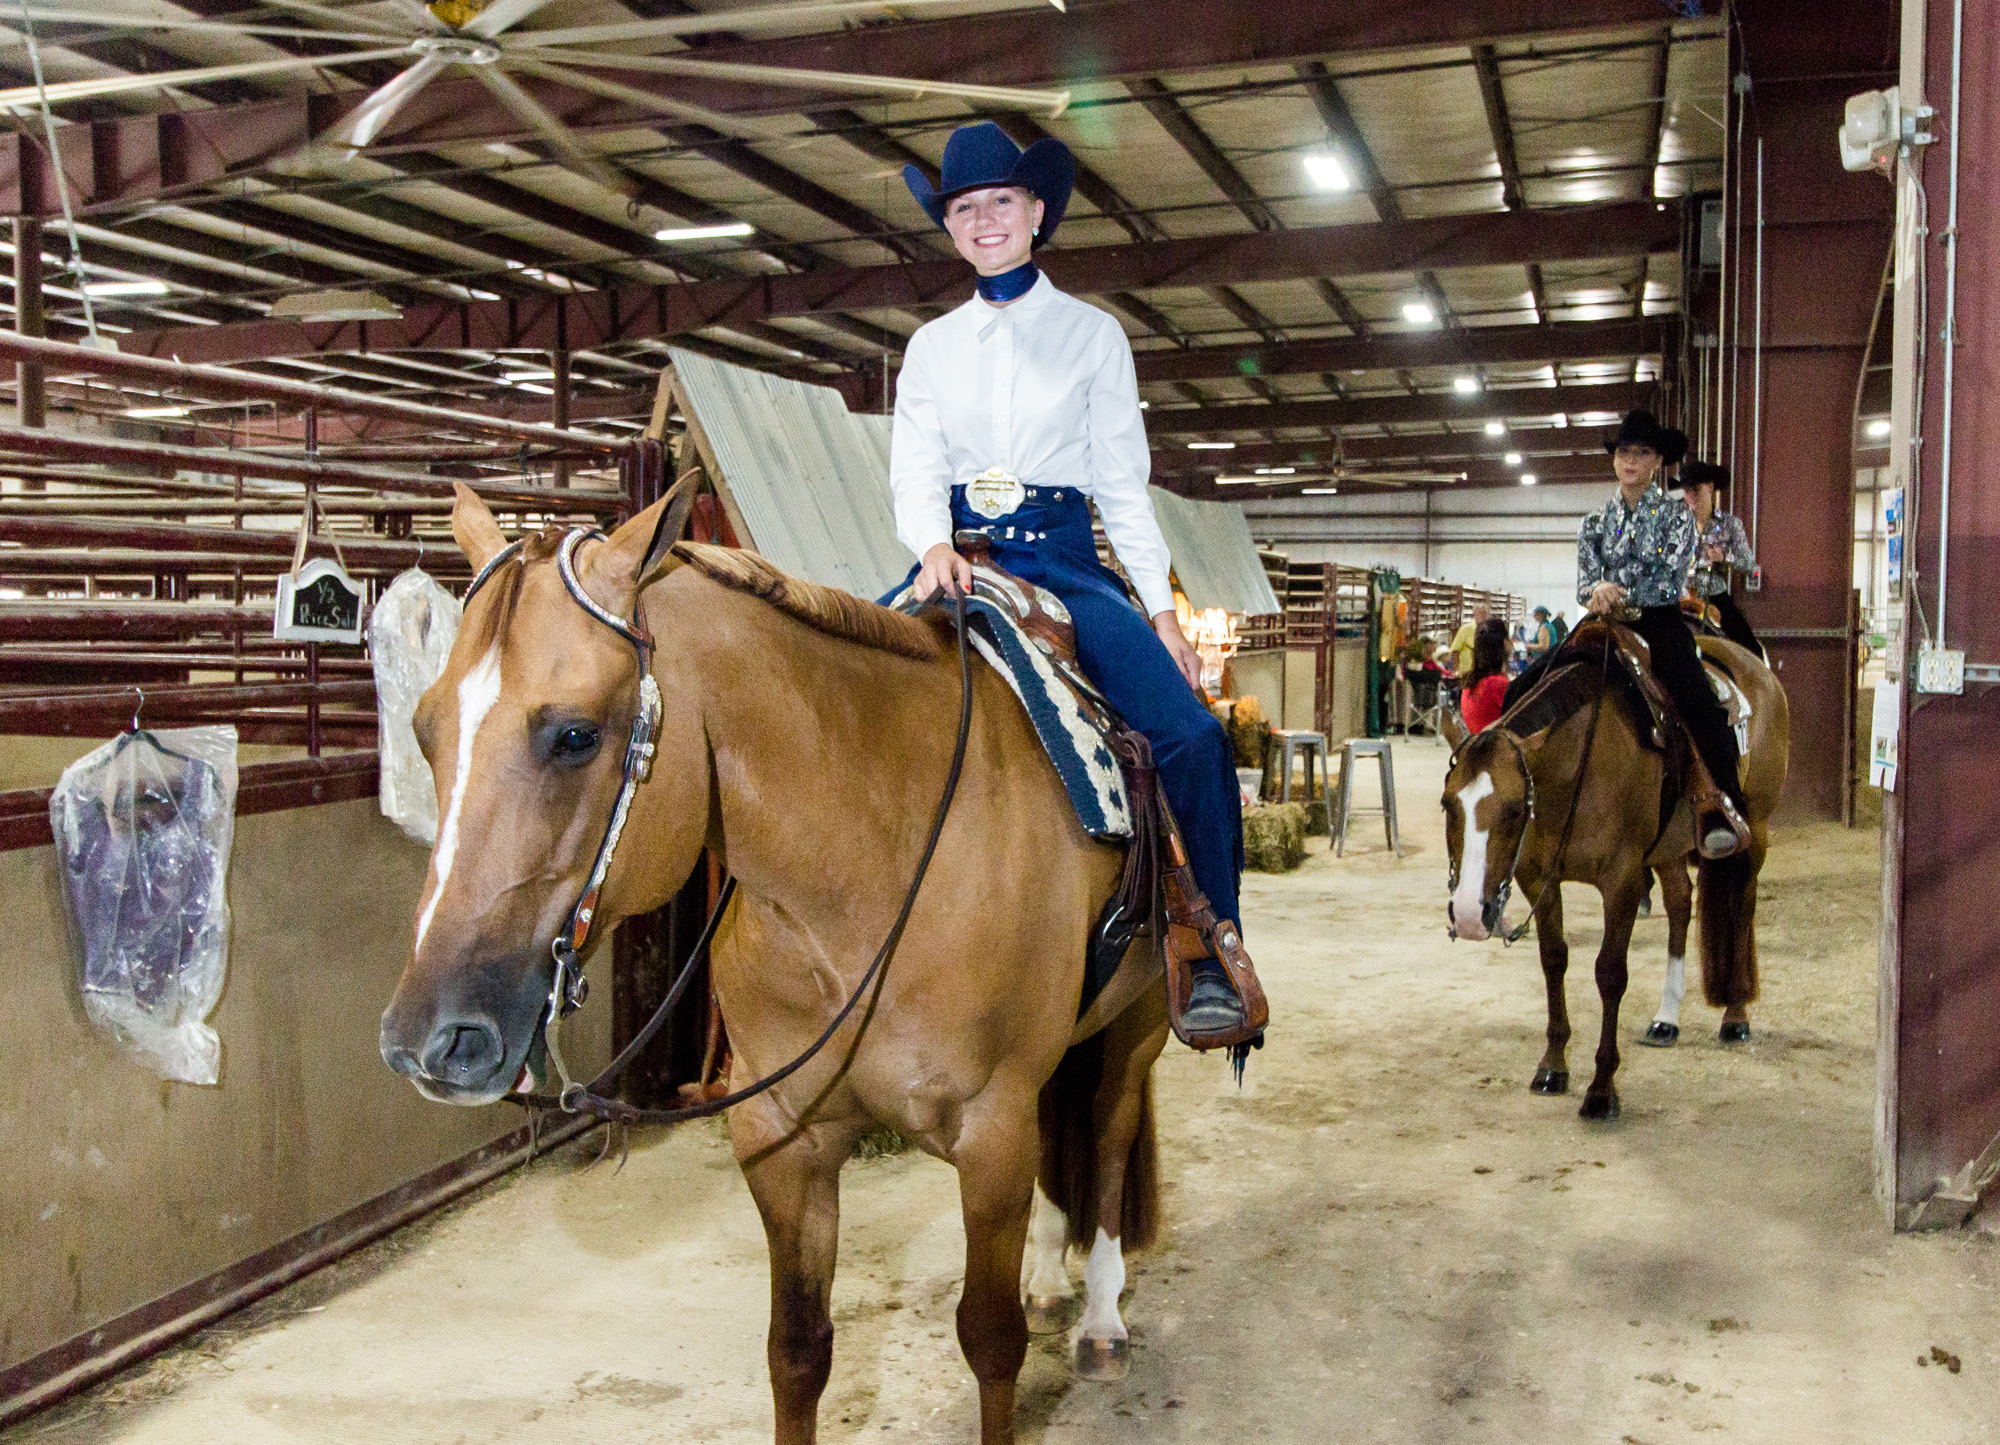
(1194, 932)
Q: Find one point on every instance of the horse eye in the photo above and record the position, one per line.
(574, 744)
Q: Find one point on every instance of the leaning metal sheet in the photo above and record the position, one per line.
(1214, 558)
(811, 478)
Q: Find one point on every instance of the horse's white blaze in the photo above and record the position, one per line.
(1048, 1232)
(477, 692)
(1103, 1282)
(1468, 903)
(1672, 992)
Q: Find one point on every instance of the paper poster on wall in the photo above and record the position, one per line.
(1888, 721)
(1892, 527)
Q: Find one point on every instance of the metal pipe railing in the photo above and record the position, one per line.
(358, 549)
(218, 383)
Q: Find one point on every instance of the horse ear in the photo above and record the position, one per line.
(1532, 743)
(473, 527)
(641, 550)
(1452, 729)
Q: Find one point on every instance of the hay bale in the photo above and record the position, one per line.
(1249, 732)
(1274, 837)
(1316, 813)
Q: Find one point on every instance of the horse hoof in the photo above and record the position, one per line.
(1661, 1035)
(1736, 1033)
(1048, 1314)
(1599, 1106)
(1551, 1081)
(1101, 1361)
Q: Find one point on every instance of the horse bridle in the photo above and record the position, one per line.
(1511, 936)
(568, 989)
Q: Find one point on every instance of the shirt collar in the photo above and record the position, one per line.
(983, 315)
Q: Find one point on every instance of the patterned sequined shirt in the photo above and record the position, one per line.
(1725, 531)
(1648, 549)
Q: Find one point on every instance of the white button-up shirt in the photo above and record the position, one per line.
(1044, 388)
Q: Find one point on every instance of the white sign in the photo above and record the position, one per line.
(318, 603)
(1888, 723)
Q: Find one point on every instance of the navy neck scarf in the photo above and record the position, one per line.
(1008, 285)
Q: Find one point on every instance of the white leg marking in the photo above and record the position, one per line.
(1467, 903)
(1048, 1232)
(1672, 992)
(477, 692)
(1103, 1282)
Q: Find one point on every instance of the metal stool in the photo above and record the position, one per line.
(1377, 748)
(1292, 742)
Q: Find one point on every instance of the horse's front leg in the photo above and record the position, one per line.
(1621, 910)
(995, 1157)
(1552, 1074)
(795, 1179)
(1678, 891)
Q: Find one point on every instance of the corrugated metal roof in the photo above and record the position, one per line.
(810, 477)
(1214, 558)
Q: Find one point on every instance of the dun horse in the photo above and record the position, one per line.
(805, 738)
(1511, 795)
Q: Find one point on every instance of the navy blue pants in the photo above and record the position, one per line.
(1125, 658)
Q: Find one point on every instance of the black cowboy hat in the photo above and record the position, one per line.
(1639, 429)
(1705, 474)
(1676, 446)
(984, 155)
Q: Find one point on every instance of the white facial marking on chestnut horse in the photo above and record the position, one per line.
(477, 692)
(1672, 992)
(1468, 902)
(1048, 1232)
(1103, 1282)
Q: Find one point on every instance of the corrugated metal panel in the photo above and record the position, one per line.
(1214, 558)
(811, 478)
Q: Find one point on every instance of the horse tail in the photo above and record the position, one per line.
(1726, 906)
(1069, 1129)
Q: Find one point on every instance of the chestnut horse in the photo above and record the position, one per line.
(1512, 793)
(805, 738)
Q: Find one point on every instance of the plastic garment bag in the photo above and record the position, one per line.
(409, 637)
(143, 828)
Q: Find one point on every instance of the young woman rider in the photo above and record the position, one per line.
(1723, 547)
(1634, 557)
(1013, 414)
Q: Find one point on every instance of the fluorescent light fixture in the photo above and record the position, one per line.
(1329, 173)
(1512, 459)
(125, 288)
(1879, 427)
(1419, 312)
(706, 233)
(1276, 471)
(1528, 479)
(1241, 482)
(143, 412)
(334, 306)
(1496, 428)
(1319, 491)
(519, 376)
(1465, 385)
(1211, 446)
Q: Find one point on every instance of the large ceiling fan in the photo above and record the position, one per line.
(478, 37)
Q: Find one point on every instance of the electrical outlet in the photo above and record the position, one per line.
(1755, 581)
(1939, 669)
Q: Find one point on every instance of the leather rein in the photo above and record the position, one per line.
(568, 989)
(1510, 936)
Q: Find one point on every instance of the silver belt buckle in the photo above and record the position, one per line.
(994, 493)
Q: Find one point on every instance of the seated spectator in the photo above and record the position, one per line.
(1486, 684)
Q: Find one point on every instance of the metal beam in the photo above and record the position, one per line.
(1486, 62)
(1532, 401)
(129, 159)
(1476, 346)
(601, 317)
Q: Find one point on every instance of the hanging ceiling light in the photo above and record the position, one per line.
(1419, 312)
(125, 288)
(335, 306)
(1328, 172)
(1496, 428)
(705, 233)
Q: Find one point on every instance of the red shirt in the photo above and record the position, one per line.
(1480, 706)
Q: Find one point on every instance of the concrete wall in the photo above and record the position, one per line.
(118, 1187)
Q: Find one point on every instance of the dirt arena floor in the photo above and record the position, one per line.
(1383, 1238)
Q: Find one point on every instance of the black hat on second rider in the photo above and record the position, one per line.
(1640, 429)
(1676, 446)
(1705, 474)
(982, 155)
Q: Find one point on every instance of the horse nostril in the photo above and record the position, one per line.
(1489, 914)
(464, 1052)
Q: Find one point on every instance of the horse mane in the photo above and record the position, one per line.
(1556, 696)
(824, 609)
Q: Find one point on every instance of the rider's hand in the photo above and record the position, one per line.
(944, 572)
(1605, 599)
(1179, 648)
